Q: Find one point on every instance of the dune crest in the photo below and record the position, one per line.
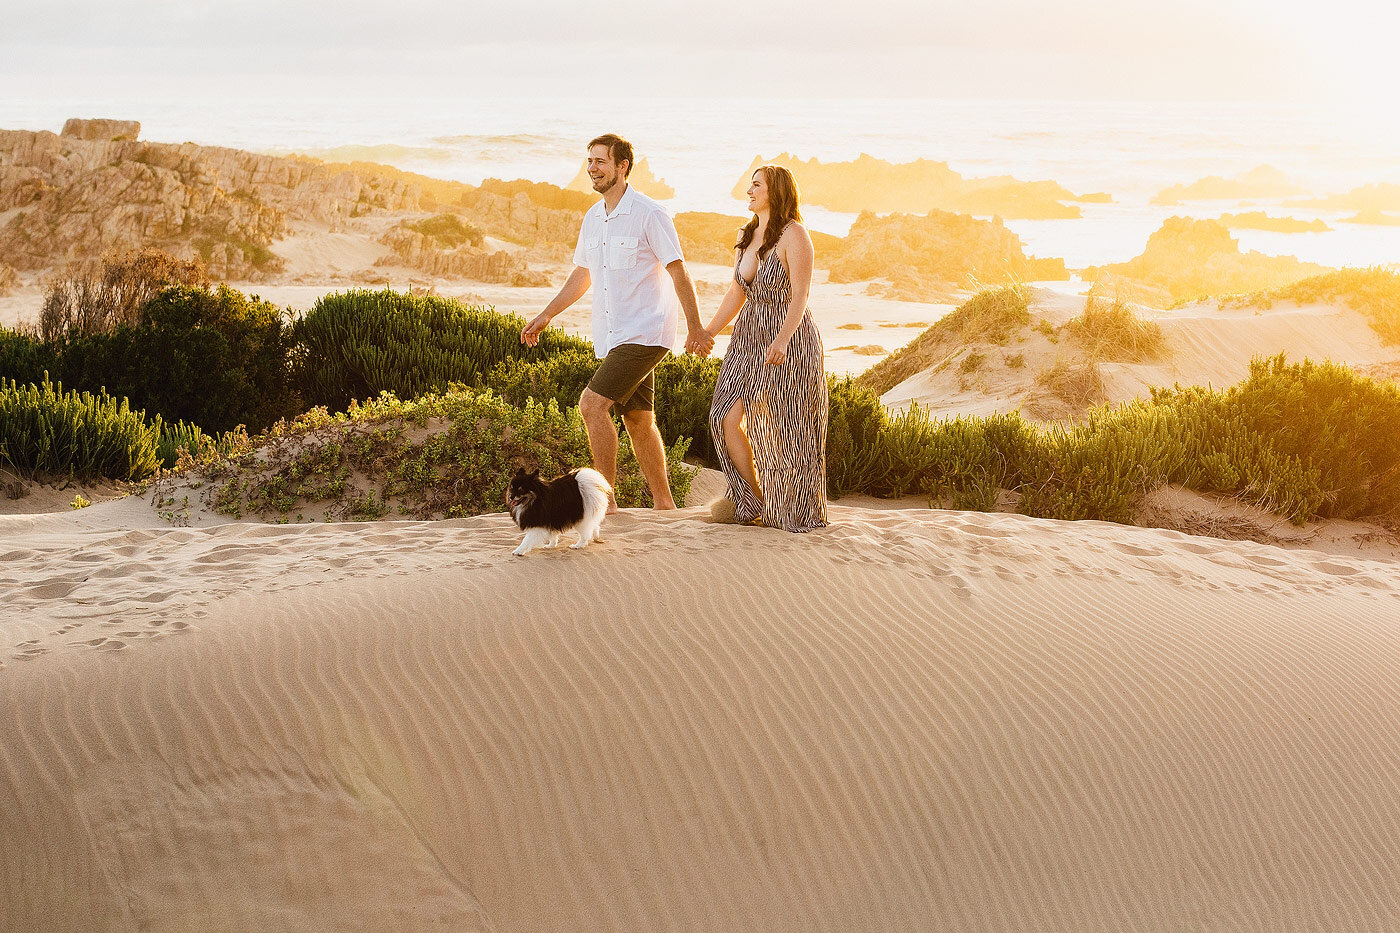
(911, 719)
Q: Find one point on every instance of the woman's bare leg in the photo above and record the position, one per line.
(736, 444)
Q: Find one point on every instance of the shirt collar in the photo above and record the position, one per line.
(624, 206)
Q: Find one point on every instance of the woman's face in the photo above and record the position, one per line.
(758, 192)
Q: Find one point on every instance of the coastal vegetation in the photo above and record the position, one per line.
(421, 406)
(209, 356)
(990, 316)
(442, 455)
(1111, 331)
(1373, 292)
(44, 428)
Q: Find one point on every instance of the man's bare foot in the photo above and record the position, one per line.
(612, 509)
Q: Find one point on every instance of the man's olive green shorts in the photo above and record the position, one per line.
(626, 376)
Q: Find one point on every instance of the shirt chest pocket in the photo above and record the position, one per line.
(622, 252)
(593, 251)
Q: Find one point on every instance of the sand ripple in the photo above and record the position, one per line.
(910, 720)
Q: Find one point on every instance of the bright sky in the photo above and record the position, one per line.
(1091, 49)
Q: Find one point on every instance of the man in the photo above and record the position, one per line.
(627, 248)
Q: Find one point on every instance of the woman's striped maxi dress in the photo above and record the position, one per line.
(785, 406)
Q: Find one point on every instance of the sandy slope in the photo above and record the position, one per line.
(911, 720)
(1206, 345)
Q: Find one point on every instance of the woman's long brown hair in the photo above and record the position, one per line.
(782, 209)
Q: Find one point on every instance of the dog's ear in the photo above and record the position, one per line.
(519, 472)
(535, 473)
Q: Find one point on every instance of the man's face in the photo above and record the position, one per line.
(604, 172)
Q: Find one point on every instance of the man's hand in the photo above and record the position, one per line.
(699, 342)
(530, 336)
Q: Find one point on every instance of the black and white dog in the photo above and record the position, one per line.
(576, 500)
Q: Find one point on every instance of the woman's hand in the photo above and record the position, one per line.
(777, 351)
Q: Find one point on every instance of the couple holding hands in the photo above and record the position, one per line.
(769, 414)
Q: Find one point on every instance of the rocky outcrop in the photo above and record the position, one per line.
(642, 178)
(1262, 182)
(1196, 258)
(520, 219)
(102, 130)
(9, 279)
(871, 184)
(420, 251)
(80, 198)
(1258, 220)
(925, 256)
(1365, 199)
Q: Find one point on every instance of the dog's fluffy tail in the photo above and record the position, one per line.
(595, 491)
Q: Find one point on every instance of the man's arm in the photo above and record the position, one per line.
(697, 338)
(575, 287)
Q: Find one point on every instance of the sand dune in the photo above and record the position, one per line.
(911, 720)
(1206, 345)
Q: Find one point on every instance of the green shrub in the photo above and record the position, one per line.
(448, 231)
(856, 460)
(1100, 468)
(216, 358)
(1308, 439)
(359, 343)
(459, 465)
(79, 434)
(685, 389)
(187, 440)
(1303, 440)
(560, 378)
(24, 357)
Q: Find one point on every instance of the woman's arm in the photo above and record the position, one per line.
(728, 308)
(797, 255)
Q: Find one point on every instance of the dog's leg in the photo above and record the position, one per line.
(533, 539)
(587, 533)
(553, 539)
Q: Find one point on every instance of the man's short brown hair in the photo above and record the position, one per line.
(619, 148)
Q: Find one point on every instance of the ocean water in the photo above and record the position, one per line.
(701, 147)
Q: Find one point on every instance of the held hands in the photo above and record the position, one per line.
(700, 342)
(530, 336)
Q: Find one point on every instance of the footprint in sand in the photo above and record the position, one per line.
(986, 531)
(1335, 569)
(53, 589)
(1136, 551)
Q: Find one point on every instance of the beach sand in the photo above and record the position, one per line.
(913, 719)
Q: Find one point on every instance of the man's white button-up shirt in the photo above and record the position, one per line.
(626, 254)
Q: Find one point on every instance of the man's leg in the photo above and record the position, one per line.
(602, 437)
(651, 455)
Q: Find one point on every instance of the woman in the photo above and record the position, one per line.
(770, 408)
